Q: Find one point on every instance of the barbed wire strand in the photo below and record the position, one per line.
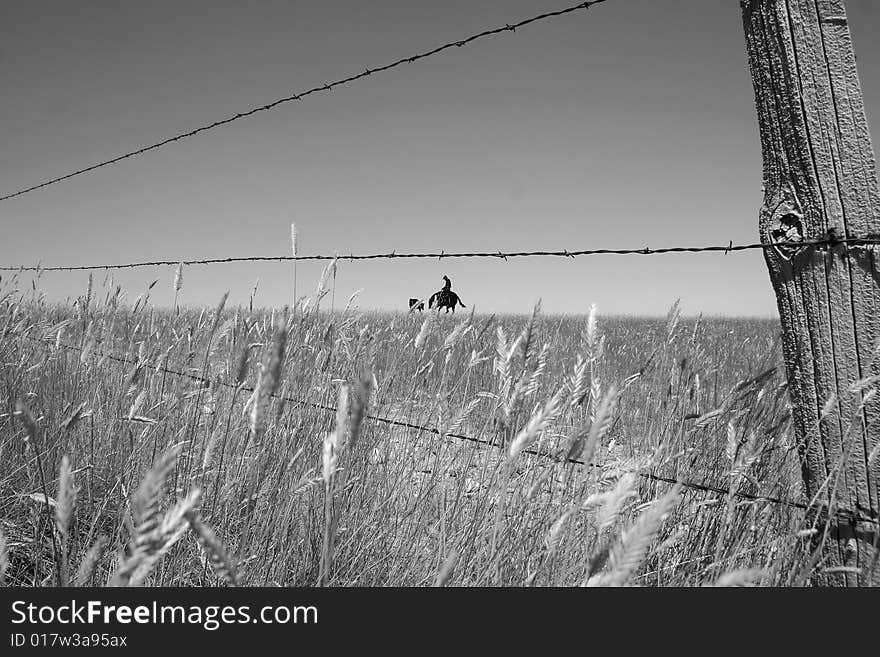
(726, 248)
(705, 488)
(509, 27)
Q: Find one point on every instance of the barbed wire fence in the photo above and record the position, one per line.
(329, 86)
(831, 241)
(730, 247)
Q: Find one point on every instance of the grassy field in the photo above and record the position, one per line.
(278, 448)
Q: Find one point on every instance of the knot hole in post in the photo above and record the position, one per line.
(786, 227)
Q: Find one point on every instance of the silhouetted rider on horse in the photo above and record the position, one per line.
(445, 298)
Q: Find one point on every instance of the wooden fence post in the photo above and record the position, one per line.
(820, 183)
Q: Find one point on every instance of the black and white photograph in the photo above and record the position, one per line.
(405, 294)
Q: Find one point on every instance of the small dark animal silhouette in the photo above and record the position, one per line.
(445, 299)
(415, 304)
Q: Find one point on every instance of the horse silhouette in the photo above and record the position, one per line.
(415, 304)
(445, 299)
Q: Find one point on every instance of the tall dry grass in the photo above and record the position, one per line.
(265, 463)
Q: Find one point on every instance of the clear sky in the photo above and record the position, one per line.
(629, 124)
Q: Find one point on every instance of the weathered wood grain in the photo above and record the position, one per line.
(820, 181)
